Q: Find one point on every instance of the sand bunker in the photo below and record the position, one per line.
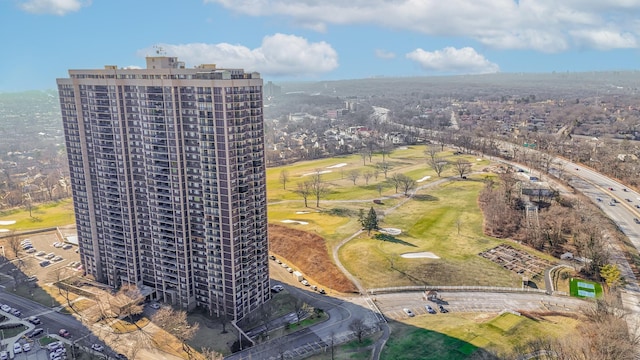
(302, 212)
(7, 222)
(420, 255)
(4, 230)
(478, 159)
(391, 231)
(294, 222)
(424, 178)
(337, 166)
(318, 172)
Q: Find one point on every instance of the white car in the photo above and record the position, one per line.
(4, 355)
(17, 348)
(408, 312)
(155, 305)
(5, 308)
(26, 347)
(97, 347)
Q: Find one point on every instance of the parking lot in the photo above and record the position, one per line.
(46, 255)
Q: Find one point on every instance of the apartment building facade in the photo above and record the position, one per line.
(168, 177)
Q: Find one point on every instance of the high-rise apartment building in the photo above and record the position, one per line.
(168, 178)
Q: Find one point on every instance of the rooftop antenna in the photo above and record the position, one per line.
(159, 50)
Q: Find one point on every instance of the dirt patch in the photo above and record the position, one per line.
(308, 252)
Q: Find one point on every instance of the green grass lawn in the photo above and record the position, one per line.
(57, 213)
(446, 221)
(461, 335)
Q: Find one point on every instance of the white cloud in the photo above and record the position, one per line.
(54, 7)
(604, 39)
(278, 55)
(543, 25)
(453, 61)
(383, 54)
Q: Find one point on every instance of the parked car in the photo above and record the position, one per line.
(4, 355)
(41, 253)
(16, 312)
(17, 348)
(67, 246)
(97, 347)
(34, 320)
(50, 256)
(64, 333)
(5, 308)
(442, 309)
(31, 250)
(154, 305)
(45, 263)
(55, 345)
(430, 310)
(121, 357)
(35, 332)
(304, 282)
(57, 258)
(277, 288)
(321, 291)
(26, 347)
(408, 312)
(636, 220)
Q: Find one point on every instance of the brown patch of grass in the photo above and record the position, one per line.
(308, 252)
(123, 326)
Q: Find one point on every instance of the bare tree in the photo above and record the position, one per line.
(13, 243)
(265, 313)
(127, 302)
(51, 182)
(395, 181)
(358, 327)
(406, 183)
(438, 165)
(175, 323)
(384, 167)
(364, 153)
(353, 175)
(318, 187)
(284, 178)
(462, 167)
(367, 175)
(432, 151)
(305, 189)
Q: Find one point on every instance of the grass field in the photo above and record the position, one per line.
(446, 221)
(463, 334)
(57, 213)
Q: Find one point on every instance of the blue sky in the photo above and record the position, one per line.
(312, 40)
